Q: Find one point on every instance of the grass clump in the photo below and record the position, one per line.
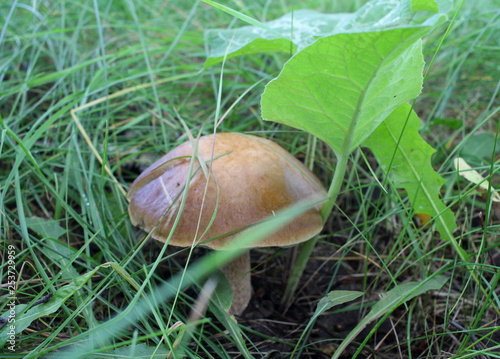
(126, 67)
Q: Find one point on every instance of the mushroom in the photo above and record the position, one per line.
(249, 179)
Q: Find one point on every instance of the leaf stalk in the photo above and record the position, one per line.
(326, 209)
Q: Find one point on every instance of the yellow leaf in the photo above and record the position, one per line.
(473, 176)
(424, 218)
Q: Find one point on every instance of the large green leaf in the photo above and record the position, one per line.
(295, 31)
(342, 87)
(307, 25)
(408, 158)
(389, 302)
(424, 5)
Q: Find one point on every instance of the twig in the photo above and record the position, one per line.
(472, 336)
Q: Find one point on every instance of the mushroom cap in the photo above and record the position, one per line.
(250, 179)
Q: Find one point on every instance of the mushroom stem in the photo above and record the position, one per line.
(237, 273)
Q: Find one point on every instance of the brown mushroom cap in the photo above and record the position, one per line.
(251, 179)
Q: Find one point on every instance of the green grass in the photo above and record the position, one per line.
(148, 58)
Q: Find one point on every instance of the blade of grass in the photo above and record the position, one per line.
(242, 17)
